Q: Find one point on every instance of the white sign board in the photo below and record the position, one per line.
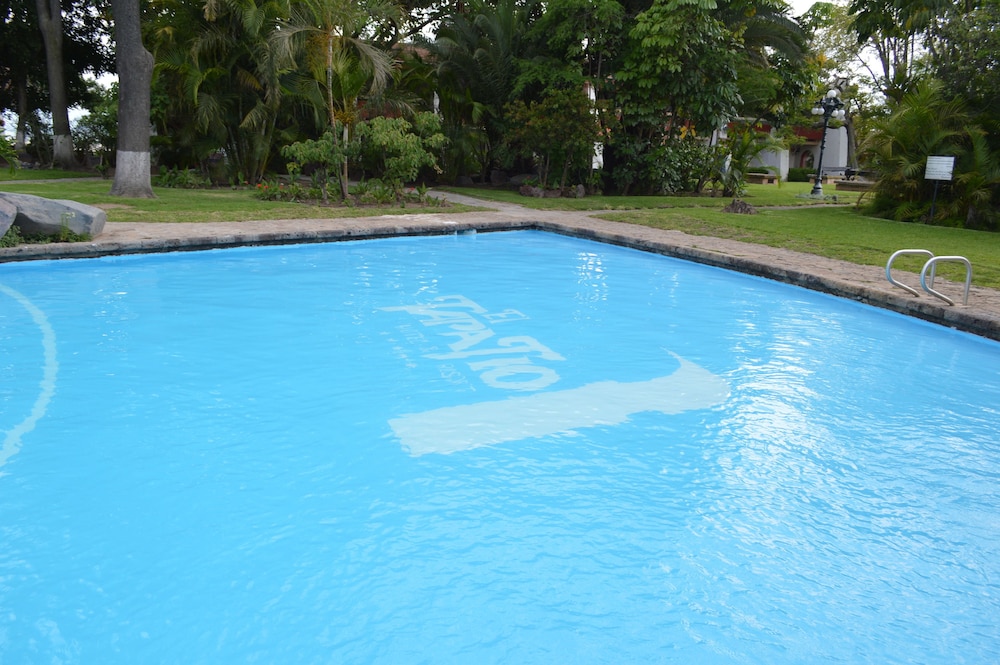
(939, 167)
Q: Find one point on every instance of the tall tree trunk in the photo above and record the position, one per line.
(20, 135)
(135, 75)
(50, 24)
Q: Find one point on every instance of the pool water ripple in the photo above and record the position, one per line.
(218, 478)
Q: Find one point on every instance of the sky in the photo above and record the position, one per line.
(800, 7)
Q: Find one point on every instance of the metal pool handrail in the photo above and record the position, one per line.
(932, 262)
(888, 268)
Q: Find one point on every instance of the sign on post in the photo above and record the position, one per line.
(939, 167)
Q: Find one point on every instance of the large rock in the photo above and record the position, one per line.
(37, 215)
(8, 211)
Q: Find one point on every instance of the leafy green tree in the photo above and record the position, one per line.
(680, 70)
(479, 54)
(558, 132)
(678, 76)
(24, 88)
(977, 196)
(966, 59)
(895, 32)
(396, 150)
(8, 153)
(584, 36)
(773, 72)
(743, 144)
(96, 133)
(833, 45)
(329, 38)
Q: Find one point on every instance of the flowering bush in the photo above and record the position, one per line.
(276, 190)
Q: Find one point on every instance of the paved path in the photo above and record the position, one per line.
(863, 283)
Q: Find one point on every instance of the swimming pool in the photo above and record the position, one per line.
(505, 447)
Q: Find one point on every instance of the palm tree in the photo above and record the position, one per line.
(923, 123)
(222, 83)
(329, 38)
(478, 55)
(773, 72)
(978, 184)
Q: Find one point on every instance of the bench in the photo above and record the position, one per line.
(761, 178)
(854, 185)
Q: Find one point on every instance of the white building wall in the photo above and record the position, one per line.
(775, 161)
(834, 157)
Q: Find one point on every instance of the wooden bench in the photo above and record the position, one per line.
(761, 178)
(854, 185)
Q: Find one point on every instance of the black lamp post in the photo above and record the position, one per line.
(828, 107)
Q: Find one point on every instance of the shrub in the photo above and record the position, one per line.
(558, 132)
(799, 174)
(324, 154)
(396, 149)
(12, 237)
(181, 179)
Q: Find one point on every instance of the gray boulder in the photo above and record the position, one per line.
(37, 215)
(8, 211)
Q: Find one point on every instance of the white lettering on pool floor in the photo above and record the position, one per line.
(455, 428)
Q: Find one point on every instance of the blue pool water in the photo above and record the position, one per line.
(498, 448)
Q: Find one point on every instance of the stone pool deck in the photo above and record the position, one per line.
(866, 284)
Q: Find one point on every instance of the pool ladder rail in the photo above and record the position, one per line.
(930, 266)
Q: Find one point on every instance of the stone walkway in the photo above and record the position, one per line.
(866, 284)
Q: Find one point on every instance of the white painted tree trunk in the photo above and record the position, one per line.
(135, 74)
(132, 177)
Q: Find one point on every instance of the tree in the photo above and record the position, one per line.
(24, 86)
(678, 76)
(221, 83)
(398, 149)
(772, 72)
(330, 36)
(324, 154)
(924, 122)
(8, 154)
(96, 133)
(680, 69)
(559, 132)
(966, 59)
(50, 24)
(743, 144)
(479, 54)
(894, 30)
(135, 75)
(22, 66)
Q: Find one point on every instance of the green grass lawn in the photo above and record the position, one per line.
(838, 233)
(783, 220)
(198, 205)
(42, 174)
(785, 194)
